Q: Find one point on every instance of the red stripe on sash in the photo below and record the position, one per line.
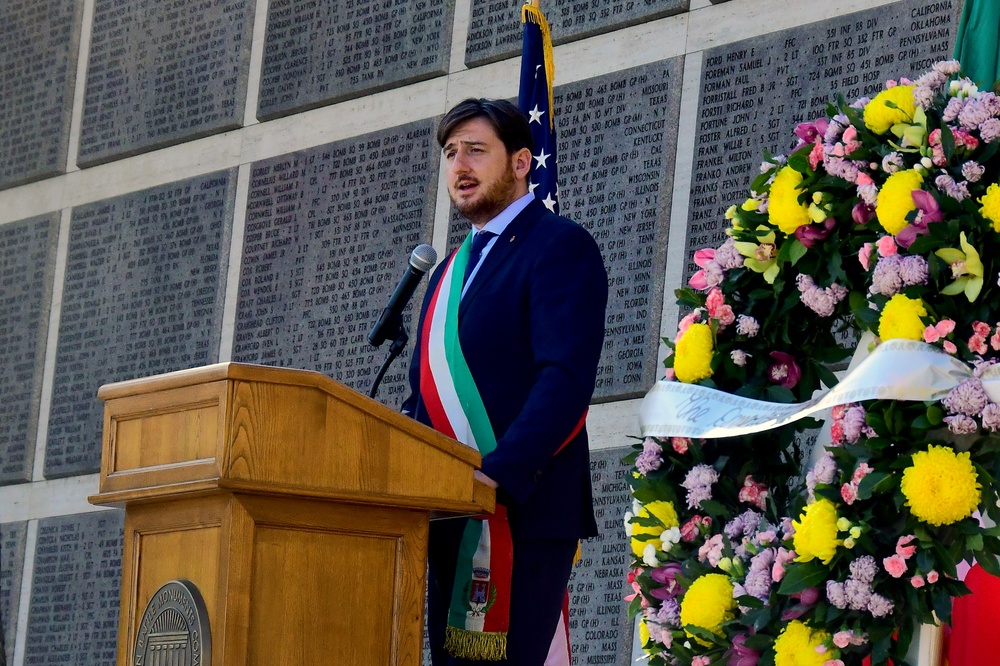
(428, 389)
(576, 430)
(501, 548)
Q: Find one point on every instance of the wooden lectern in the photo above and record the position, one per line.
(297, 507)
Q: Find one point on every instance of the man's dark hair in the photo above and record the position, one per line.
(507, 120)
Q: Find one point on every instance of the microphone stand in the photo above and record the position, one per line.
(395, 349)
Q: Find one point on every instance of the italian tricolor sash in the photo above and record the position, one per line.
(479, 615)
(480, 607)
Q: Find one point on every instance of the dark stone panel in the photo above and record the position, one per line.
(27, 267)
(321, 51)
(329, 231)
(616, 142)
(12, 544)
(754, 92)
(600, 630)
(39, 42)
(162, 72)
(75, 590)
(144, 291)
(495, 25)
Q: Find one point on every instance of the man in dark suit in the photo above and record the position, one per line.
(530, 324)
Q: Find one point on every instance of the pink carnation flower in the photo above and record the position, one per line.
(886, 246)
(680, 444)
(932, 577)
(939, 330)
(917, 582)
(753, 492)
(894, 565)
(863, 470)
(691, 530)
(685, 324)
(977, 344)
(780, 560)
(865, 256)
(902, 549)
(849, 493)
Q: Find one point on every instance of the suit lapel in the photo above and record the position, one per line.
(502, 250)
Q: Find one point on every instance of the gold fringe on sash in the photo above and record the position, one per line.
(484, 646)
(533, 13)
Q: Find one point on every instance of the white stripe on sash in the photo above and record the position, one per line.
(438, 364)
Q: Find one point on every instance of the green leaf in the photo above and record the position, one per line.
(800, 162)
(947, 141)
(861, 311)
(870, 484)
(797, 251)
(704, 634)
(989, 564)
(759, 642)
(713, 508)
(779, 394)
(802, 575)
(880, 651)
(988, 152)
(974, 542)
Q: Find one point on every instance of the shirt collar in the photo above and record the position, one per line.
(499, 223)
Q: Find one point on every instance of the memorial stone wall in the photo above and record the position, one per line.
(193, 181)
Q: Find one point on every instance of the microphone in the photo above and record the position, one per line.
(422, 259)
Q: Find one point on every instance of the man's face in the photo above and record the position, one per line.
(482, 178)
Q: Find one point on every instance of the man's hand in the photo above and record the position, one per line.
(479, 476)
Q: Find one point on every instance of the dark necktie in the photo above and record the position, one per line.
(479, 241)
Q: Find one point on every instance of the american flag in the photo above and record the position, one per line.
(535, 100)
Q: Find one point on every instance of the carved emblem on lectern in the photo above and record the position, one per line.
(174, 628)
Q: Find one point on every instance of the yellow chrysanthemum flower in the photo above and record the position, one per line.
(941, 487)
(784, 209)
(991, 205)
(880, 118)
(796, 646)
(693, 356)
(663, 511)
(707, 604)
(895, 200)
(901, 319)
(816, 532)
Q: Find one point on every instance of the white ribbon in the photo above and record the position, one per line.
(896, 370)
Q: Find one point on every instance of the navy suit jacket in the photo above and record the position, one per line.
(531, 326)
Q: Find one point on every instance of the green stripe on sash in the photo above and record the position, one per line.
(465, 386)
(463, 572)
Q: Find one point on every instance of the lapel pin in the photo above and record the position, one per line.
(512, 238)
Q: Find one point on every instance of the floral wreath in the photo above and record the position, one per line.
(883, 223)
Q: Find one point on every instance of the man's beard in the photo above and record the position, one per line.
(492, 200)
